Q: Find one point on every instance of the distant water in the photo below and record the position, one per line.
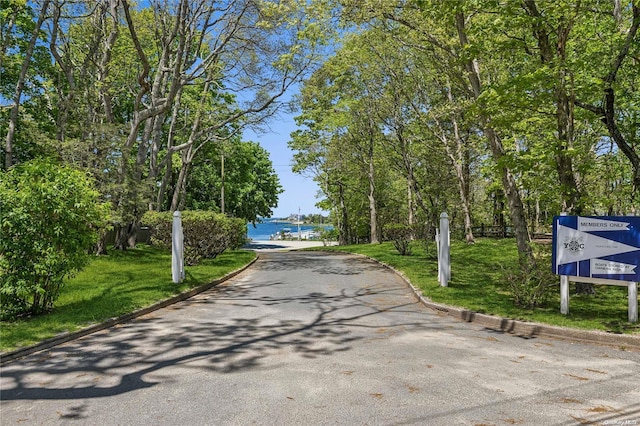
(264, 230)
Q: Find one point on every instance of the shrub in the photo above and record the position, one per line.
(430, 248)
(401, 236)
(327, 235)
(50, 216)
(206, 234)
(529, 285)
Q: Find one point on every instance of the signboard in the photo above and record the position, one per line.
(605, 247)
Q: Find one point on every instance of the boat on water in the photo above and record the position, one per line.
(279, 229)
(288, 234)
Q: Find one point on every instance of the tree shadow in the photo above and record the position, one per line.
(234, 331)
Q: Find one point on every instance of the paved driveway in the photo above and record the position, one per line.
(310, 338)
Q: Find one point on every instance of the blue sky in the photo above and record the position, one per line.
(299, 191)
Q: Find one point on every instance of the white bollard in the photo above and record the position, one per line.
(177, 249)
(444, 258)
(438, 251)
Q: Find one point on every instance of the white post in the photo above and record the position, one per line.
(444, 259)
(633, 301)
(177, 249)
(564, 288)
(564, 294)
(438, 251)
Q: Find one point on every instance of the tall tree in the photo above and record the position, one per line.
(552, 29)
(617, 83)
(251, 186)
(22, 78)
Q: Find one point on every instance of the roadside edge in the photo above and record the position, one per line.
(526, 330)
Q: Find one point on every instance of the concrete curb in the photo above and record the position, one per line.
(7, 357)
(526, 330)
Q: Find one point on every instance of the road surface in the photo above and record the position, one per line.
(306, 338)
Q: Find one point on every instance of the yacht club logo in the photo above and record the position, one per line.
(574, 244)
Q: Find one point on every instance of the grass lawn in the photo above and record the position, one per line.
(478, 283)
(114, 285)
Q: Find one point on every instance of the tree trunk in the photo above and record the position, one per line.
(180, 188)
(410, 213)
(461, 167)
(100, 248)
(516, 207)
(65, 100)
(571, 196)
(168, 162)
(222, 183)
(608, 113)
(343, 236)
(373, 212)
(122, 237)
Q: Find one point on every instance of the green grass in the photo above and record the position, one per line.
(125, 281)
(114, 285)
(478, 284)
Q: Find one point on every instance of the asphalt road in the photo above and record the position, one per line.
(304, 338)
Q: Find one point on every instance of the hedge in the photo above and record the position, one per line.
(206, 234)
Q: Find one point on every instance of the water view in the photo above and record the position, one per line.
(269, 229)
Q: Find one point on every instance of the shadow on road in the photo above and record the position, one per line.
(223, 330)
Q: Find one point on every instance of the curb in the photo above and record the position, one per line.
(7, 357)
(526, 330)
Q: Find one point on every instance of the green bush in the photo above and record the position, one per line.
(50, 216)
(529, 284)
(206, 234)
(329, 234)
(401, 236)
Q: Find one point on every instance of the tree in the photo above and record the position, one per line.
(251, 185)
(552, 42)
(617, 84)
(444, 28)
(351, 133)
(128, 89)
(50, 215)
(22, 77)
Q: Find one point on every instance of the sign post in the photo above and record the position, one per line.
(564, 294)
(597, 250)
(633, 301)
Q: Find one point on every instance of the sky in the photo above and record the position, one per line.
(299, 191)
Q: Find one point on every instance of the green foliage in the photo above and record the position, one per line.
(206, 234)
(49, 217)
(530, 284)
(540, 88)
(251, 185)
(329, 234)
(401, 235)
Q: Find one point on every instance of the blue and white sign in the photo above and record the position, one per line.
(597, 247)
